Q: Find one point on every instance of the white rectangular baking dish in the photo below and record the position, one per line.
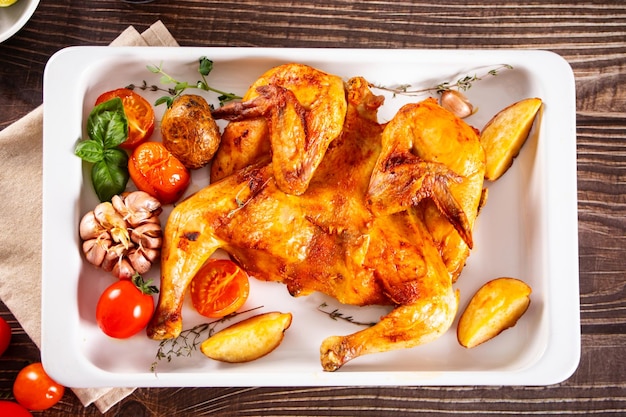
(528, 229)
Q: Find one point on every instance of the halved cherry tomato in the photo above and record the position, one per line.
(35, 390)
(9, 408)
(156, 171)
(139, 113)
(219, 288)
(5, 335)
(125, 307)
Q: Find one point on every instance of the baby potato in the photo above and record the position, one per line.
(505, 134)
(190, 132)
(495, 307)
(249, 339)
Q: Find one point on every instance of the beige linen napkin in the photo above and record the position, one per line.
(20, 217)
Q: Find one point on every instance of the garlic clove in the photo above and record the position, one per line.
(113, 256)
(113, 221)
(151, 254)
(141, 207)
(139, 261)
(456, 103)
(123, 269)
(95, 250)
(90, 228)
(148, 235)
(118, 204)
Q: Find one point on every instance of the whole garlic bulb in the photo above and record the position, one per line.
(123, 236)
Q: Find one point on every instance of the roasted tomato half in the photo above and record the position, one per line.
(219, 288)
(156, 171)
(139, 113)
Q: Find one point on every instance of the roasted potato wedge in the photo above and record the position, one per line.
(504, 135)
(190, 132)
(249, 339)
(495, 307)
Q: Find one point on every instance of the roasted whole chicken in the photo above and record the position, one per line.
(310, 190)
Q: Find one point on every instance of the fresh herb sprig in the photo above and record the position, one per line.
(462, 84)
(189, 340)
(337, 315)
(205, 66)
(107, 128)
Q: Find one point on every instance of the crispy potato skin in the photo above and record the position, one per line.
(249, 339)
(190, 132)
(495, 307)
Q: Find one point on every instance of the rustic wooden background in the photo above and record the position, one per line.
(591, 35)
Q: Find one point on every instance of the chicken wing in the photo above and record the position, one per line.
(292, 110)
(429, 152)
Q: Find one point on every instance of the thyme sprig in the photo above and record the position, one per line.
(188, 341)
(205, 66)
(462, 84)
(144, 86)
(338, 315)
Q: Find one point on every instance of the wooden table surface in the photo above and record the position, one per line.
(590, 35)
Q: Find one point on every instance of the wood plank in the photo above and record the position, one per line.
(591, 36)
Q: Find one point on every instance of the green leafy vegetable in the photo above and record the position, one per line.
(107, 128)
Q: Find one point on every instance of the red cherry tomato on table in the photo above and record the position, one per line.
(5, 335)
(219, 288)
(35, 390)
(9, 408)
(125, 307)
(139, 113)
(156, 171)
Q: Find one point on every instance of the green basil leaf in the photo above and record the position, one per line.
(108, 180)
(107, 123)
(116, 157)
(89, 150)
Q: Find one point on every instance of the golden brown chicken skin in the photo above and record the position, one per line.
(338, 237)
(298, 112)
(425, 143)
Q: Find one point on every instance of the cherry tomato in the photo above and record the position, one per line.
(9, 408)
(5, 335)
(35, 390)
(125, 307)
(156, 171)
(219, 288)
(139, 113)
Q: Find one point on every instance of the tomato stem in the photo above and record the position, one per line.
(144, 286)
